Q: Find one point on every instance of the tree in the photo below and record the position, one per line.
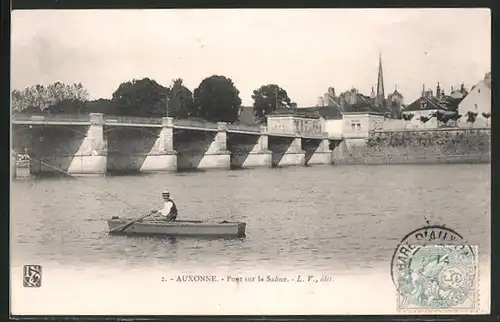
(54, 98)
(441, 117)
(407, 117)
(486, 116)
(144, 97)
(217, 100)
(181, 103)
(104, 106)
(471, 117)
(455, 116)
(66, 106)
(269, 98)
(424, 119)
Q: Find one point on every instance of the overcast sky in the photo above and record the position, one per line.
(303, 51)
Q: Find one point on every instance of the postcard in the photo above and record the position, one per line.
(251, 161)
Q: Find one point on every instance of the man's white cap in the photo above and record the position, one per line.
(165, 192)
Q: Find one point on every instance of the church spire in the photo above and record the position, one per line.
(380, 81)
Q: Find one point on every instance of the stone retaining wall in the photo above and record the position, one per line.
(418, 147)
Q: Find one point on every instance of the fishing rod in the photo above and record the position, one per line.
(108, 193)
(73, 177)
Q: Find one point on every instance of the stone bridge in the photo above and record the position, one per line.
(96, 144)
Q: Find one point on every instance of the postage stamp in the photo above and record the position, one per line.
(434, 269)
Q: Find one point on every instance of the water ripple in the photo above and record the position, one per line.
(335, 217)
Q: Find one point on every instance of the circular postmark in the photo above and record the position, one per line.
(434, 267)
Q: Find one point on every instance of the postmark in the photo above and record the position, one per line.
(434, 269)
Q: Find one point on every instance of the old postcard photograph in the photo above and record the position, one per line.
(250, 161)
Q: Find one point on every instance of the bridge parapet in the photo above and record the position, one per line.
(309, 135)
(301, 134)
(244, 128)
(189, 124)
(69, 118)
(196, 124)
(133, 120)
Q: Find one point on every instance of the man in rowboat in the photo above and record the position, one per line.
(169, 210)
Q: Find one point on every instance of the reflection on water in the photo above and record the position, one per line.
(339, 218)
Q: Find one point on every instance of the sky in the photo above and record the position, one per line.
(304, 51)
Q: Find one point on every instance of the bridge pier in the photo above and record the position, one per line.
(205, 149)
(217, 155)
(85, 154)
(286, 151)
(340, 151)
(162, 156)
(317, 151)
(250, 151)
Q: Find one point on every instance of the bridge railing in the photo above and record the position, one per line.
(244, 127)
(132, 119)
(53, 118)
(305, 134)
(195, 124)
(310, 135)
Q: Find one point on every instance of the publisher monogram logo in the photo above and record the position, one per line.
(32, 276)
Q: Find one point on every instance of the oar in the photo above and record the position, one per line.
(125, 226)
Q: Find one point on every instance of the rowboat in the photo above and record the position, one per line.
(193, 228)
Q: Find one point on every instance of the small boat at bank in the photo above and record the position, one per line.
(191, 228)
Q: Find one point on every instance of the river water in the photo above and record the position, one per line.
(341, 220)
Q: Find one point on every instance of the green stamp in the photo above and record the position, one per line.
(433, 275)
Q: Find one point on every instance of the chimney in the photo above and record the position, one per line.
(321, 102)
(353, 97)
(423, 90)
(326, 99)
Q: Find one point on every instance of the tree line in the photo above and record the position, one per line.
(216, 99)
(445, 116)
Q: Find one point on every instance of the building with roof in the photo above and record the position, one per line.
(459, 93)
(477, 101)
(353, 113)
(330, 118)
(424, 108)
(291, 120)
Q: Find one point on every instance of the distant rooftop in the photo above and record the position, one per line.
(298, 112)
(327, 112)
(426, 103)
